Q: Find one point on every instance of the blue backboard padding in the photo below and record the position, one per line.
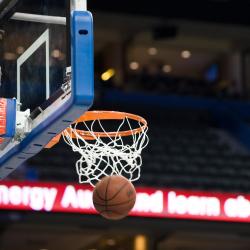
(83, 61)
(81, 98)
(11, 118)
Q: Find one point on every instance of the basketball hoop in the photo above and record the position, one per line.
(104, 152)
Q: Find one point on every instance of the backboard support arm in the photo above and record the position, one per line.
(26, 17)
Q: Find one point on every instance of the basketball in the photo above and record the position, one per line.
(114, 197)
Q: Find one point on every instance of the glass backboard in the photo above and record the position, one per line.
(34, 52)
(46, 65)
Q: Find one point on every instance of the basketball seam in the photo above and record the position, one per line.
(99, 196)
(121, 188)
(111, 205)
(106, 194)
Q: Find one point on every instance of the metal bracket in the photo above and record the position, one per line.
(80, 5)
(23, 124)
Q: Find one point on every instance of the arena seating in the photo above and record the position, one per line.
(186, 150)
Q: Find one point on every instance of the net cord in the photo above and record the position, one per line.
(100, 158)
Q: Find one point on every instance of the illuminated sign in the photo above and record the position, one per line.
(150, 202)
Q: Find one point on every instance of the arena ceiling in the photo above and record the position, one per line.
(219, 11)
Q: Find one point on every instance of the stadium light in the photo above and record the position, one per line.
(186, 54)
(107, 75)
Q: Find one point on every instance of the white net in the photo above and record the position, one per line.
(106, 156)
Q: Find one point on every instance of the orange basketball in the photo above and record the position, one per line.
(114, 197)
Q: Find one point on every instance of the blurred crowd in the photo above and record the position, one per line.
(162, 83)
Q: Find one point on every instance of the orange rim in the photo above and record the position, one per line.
(107, 115)
(101, 115)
